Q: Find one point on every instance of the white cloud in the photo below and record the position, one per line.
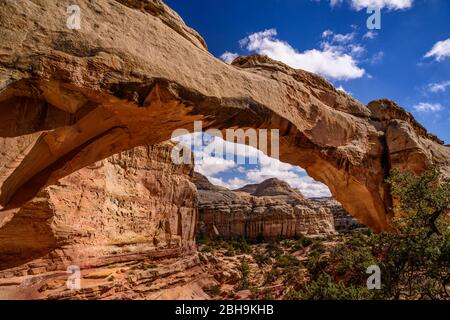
(370, 35)
(311, 188)
(218, 181)
(240, 169)
(344, 37)
(236, 183)
(343, 43)
(389, 4)
(356, 49)
(440, 51)
(341, 88)
(272, 168)
(327, 33)
(439, 87)
(338, 37)
(334, 3)
(377, 57)
(428, 107)
(210, 166)
(266, 167)
(205, 163)
(228, 57)
(331, 62)
(363, 4)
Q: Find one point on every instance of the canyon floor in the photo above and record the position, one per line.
(263, 271)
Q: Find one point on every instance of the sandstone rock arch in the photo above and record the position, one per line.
(135, 72)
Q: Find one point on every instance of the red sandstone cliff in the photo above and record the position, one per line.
(128, 222)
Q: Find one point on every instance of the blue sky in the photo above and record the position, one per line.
(407, 60)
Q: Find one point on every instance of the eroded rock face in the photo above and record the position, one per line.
(409, 146)
(135, 72)
(127, 222)
(270, 210)
(343, 221)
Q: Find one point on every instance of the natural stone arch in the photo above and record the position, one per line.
(135, 72)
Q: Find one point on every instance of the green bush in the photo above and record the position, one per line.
(244, 268)
(230, 252)
(261, 259)
(241, 246)
(213, 291)
(271, 276)
(317, 246)
(303, 241)
(274, 250)
(350, 262)
(207, 245)
(287, 261)
(317, 263)
(415, 260)
(244, 283)
(326, 288)
(268, 295)
(414, 257)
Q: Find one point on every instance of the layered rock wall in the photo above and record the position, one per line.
(135, 208)
(272, 211)
(343, 221)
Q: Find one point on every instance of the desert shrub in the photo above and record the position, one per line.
(261, 259)
(205, 248)
(230, 252)
(301, 242)
(271, 276)
(241, 246)
(414, 257)
(326, 288)
(268, 295)
(317, 246)
(415, 260)
(207, 245)
(254, 293)
(244, 268)
(244, 283)
(274, 250)
(287, 261)
(349, 262)
(201, 236)
(317, 263)
(285, 265)
(213, 291)
(287, 243)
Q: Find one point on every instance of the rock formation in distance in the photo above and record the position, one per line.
(270, 210)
